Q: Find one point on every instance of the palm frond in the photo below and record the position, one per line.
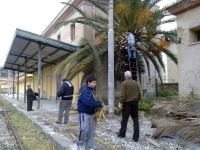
(99, 19)
(167, 126)
(191, 133)
(170, 33)
(160, 60)
(71, 59)
(172, 19)
(153, 60)
(86, 65)
(97, 61)
(159, 14)
(147, 63)
(140, 65)
(59, 24)
(76, 8)
(99, 5)
(153, 3)
(145, 58)
(171, 56)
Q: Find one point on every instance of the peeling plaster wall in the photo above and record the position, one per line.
(188, 52)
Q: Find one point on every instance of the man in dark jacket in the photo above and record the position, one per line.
(86, 109)
(130, 96)
(30, 98)
(66, 92)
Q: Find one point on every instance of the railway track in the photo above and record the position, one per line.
(9, 139)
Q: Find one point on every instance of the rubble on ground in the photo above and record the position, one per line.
(181, 119)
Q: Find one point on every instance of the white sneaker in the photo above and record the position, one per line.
(79, 148)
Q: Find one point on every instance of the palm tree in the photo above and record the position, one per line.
(136, 15)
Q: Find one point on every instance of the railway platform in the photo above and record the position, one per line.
(63, 136)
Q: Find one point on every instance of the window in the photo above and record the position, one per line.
(194, 35)
(198, 36)
(58, 37)
(167, 38)
(72, 31)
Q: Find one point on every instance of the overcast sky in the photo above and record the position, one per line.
(30, 15)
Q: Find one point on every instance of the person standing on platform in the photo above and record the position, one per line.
(66, 92)
(86, 109)
(30, 98)
(130, 96)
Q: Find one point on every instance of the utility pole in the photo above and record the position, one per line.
(110, 59)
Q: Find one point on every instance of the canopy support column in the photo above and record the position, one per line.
(25, 79)
(18, 82)
(39, 72)
(13, 83)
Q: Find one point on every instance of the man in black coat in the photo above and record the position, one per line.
(30, 98)
(66, 92)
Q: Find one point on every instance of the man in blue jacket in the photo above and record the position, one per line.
(86, 109)
(66, 92)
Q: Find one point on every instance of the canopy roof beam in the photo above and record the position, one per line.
(17, 70)
(20, 65)
(31, 58)
(22, 52)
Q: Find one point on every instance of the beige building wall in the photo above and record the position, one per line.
(188, 51)
(29, 81)
(65, 36)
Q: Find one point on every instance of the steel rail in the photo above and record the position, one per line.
(12, 128)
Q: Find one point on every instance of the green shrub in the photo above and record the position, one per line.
(146, 106)
(165, 93)
(117, 112)
(117, 99)
(175, 93)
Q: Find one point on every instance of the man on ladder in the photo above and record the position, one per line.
(131, 46)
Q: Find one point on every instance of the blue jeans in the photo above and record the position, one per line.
(131, 53)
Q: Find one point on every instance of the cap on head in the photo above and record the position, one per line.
(28, 85)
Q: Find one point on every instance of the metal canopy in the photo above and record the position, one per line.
(25, 45)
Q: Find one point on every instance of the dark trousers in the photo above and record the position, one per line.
(130, 108)
(29, 105)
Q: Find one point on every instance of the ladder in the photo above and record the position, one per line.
(128, 64)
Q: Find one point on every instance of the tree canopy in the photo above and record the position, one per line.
(143, 18)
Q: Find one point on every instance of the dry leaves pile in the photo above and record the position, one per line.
(182, 119)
